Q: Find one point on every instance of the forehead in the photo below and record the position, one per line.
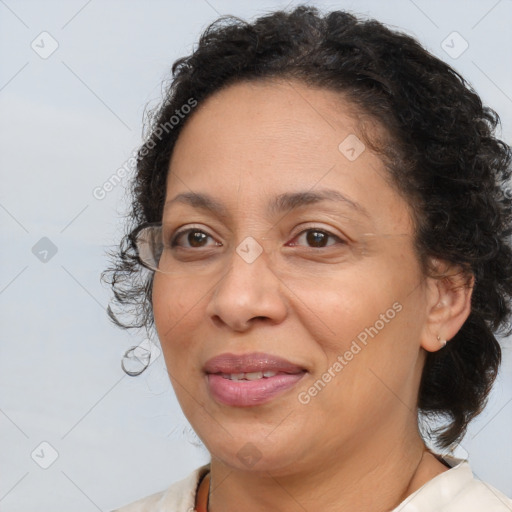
(253, 140)
(269, 120)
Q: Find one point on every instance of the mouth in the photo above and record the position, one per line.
(249, 375)
(248, 380)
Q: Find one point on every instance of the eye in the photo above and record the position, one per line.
(193, 238)
(316, 238)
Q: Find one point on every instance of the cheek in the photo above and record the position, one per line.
(178, 309)
(337, 308)
(375, 351)
(178, 306)
(371, 317)
(178, 297)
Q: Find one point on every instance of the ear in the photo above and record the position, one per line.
(448, 303)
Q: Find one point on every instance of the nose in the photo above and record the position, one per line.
(249, 292)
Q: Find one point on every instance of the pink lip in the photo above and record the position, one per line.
(245, 393)
(246, 363)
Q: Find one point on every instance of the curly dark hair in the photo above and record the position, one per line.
(441, 152)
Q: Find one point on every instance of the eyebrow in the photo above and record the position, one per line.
(283, 202)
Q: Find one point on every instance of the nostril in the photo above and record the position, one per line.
(217, 320)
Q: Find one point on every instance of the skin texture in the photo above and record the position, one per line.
(355, 445)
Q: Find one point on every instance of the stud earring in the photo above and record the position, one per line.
(442, 342)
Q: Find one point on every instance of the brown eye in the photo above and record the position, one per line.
(316, 238)
(194, 238)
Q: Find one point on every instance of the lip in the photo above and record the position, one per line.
(249, 393)
(253, 362)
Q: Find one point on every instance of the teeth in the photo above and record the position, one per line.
(249, 376)
(254, 375)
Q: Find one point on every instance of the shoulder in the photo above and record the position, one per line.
(479, 496)
(456, 490)
(179, 497)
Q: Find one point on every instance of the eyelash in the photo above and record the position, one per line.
(183, 232)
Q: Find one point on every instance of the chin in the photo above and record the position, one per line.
(249, 446)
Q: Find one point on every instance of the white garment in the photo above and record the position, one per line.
(455, 490)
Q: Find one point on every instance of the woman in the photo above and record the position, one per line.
(320, 237)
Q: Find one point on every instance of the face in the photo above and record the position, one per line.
(291, 313)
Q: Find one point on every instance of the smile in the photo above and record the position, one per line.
(249, 380)
(249, 376)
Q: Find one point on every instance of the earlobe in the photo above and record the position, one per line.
(449, 308)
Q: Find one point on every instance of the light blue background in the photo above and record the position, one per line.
(67, 124)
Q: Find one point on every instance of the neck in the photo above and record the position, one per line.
(372, 479)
